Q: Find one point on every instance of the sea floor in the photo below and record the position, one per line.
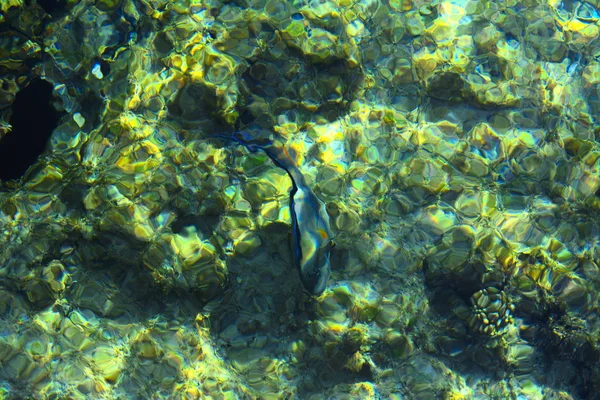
(453, 144)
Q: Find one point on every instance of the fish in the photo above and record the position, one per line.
(312, 237)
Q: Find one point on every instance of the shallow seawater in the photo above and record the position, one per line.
(447, 158)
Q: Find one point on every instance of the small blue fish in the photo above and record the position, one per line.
(311, 233)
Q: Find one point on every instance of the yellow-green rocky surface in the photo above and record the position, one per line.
(454, 143)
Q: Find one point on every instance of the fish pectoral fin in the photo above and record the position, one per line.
(322, 233)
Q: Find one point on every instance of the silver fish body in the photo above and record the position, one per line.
(313, 238)
(311, 232)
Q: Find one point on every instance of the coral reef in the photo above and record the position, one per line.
(453, 144)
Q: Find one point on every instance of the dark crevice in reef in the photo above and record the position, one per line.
(54, 8)
(33, 120)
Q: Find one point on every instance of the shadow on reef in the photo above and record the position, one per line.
(568, 350)
(280, 82)
(323, 89)
(505, 329)
(101, 275)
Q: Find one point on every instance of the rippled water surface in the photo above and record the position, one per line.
(189, 164)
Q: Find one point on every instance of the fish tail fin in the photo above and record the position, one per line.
(246, 139)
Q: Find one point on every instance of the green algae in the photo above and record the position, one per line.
(455, 150)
